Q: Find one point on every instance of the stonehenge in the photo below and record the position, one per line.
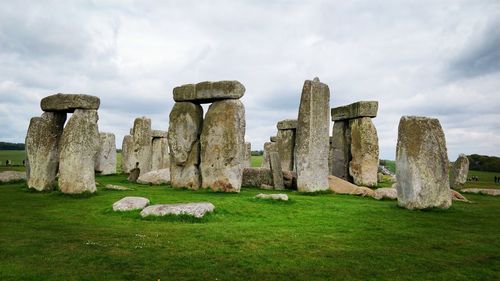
(286, 143)
(105, 163)
(459, 172)
(268, 148)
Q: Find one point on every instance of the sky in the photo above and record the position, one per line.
(438, 59)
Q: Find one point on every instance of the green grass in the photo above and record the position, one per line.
(47, 236)
(256, 161)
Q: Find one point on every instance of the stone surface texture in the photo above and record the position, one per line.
(79, 147)
(459, 172)
(247, 154)
(130, 203)
(279, 196)
(105, 163)
(159, 134)
(483, 191)
(257, 177)
(186, 121)
(142, 143)
(155, 177)
(312, 139)
(69, 102)
(207, 92)
(341, 186)
(268, 148)
(160, 158)
(363, 166)
(42, 150)
(386, 193)
(287, 124)
(341, 147)
(422, 164)
(197, 210)
(355, 110)
(285, 146)
(128, 154)
(222, 144)
(456, 196)
(276, 171)
(9, 176)
(115, 187)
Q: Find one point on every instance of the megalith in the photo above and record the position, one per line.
(341, 149)
(276, 170)
(247, 154)
(222, 145)
(128, 156)
(268, 148)
(207, 92)
(186, 120)
(312, 139)
(105, 163)
(142, 143)
(363, 166)
(459, 172)
(42, 150)
(79, 147)
(422, 164)
(160, 157)
(285, 143)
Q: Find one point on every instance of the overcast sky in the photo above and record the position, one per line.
(428, 58)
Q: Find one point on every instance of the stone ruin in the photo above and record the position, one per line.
(70, 150)
(354, 150)
(459, 172)
(105, 163)
(210, 152)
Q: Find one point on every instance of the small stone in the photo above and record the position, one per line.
(9, 176)
(69, 102)
(115, 187)
(208, 92)
(341, 186)
(155, 177)
(455, 195)
(197, 210)
(280, 196)
(459, 172)
(130, 203)
(385, 193)
(355, 110)
(287, 124)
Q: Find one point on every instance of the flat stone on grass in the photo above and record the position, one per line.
(115, 187)
(161, 176)
(130, 203)
(9, 176)
(280, 196)
(483, 191)
(197, 210)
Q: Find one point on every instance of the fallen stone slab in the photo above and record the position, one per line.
(69, 102)
(161, 176)
(355, 110)
(115, 187)
(385, 193)
(208, 92)
(197, 210)
(9, 176)
(483, 191)
(287, 124)
(130, 203)
(280, 196)
(455, 195)
(341, 186)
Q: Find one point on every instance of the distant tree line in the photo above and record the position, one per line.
(257, 153)
(11, 146)
(484, 163)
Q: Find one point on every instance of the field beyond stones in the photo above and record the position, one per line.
(51, 236)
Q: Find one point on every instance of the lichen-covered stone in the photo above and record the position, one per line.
(363, 166)
(161, 176)
(142, 143)
(276, 170)
(258, 177)
(186, 121)
(207, 92)
(287, 124)
(386, 193)
(105, 163)
(312, 139)
(422, 164)
(79, 147)
(355, 110)
(69, 102)
(130, 203)
(159, 134)
(341, 186)
(285, 147)
(268, 147)
(247, 155)
(197, 210)
(128, 155)
(459, 172)
(341, 147)
(42, 150)
(160, 158)
(222, 144)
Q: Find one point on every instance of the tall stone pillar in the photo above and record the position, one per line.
(363, 166)
(128, 155)
(105, 163)
(286, 143)
(142, 143)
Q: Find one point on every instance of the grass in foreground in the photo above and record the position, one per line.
(45, 236)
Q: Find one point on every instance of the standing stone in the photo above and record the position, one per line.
(222, 144)
(422, 164)
(363, 166)
(286, 143)
(128, 155)
(79, 147)
(268, 148)
(341, 147)
(276, 170)
(186, 120)
(459, 172)
(311, 147)
(160, 156)
(105, 163)
(42, 150)
(142, 143)
(247, 163)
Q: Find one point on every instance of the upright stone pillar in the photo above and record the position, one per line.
(160, 157)
(459, 172)
(341, 148)
(268, 148)
(312, 140)
(277, 171)
(247, 162)
(186, 120)
(142, 143)
(286, 143)
(128, 156)
(222, 145)
(42, 150)
(105, 163)
(79, 147)
(422, 164)
(363, 166)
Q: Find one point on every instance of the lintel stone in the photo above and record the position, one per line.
(288, 124)
(69, 102)
(208, 92)
(355, 110)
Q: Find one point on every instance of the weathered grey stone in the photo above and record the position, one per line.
(69, 102)
(9, 176)
(341, 186)
(285, 147)
(247, 155)
(130, 203)
(279, 197)
(483, 191)
(115, 187)
(385, 193)
(142, 143)
(222, 144)
(105, 163)
(155, 177)
(312, 139)
(287, 124)
(128, 154)
(268, 148)
(355, 110)
(79, 147)
(276, 170)
(42, 150)
(186, 120)
(160, 158)
(363, 166)
(159, 134)
(422, 164)
(459, 172)
(197, 210)
(341, 147)
(456, 196)
(258, 177)
(273, 138)
(207, 92)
